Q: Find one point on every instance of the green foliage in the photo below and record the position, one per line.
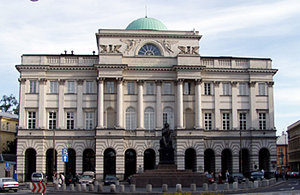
(9, 103)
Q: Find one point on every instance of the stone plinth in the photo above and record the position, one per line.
(168, 174)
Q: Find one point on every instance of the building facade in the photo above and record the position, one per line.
(109, 109)
(8, 129)
(294, 146)
(282, 152)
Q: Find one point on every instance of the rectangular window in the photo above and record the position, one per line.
(149, 88)
(53, 87)
(70, 120)
(262, 121)
(226, 121)
(243, 121)
(52, 120)
(262, 89)
(71, 87)
(110, 87)
(243, 89)
(208, 121)
(130, 87)
(167, 88)
(207, 88)
(89, 120)
(31, 120)
(89, 87)
(33, 86)
(226, 88)
(187, 88)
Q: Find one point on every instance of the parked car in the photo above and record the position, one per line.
(257, 175)
(69, 179)
(38, 177)
(239, 177)
(210, 178)
(110, 179)
(88, 177)
(7, 183)
(294, 174)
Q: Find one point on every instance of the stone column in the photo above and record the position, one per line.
(79, 163)
(42, 100)
(235, 163)
(218, 163)
(61, 104)
(159, 111)
(120, 104)
(22, 113)
(217, 105)
(140, 105)
(253, 115)
(271, 104)
(198, 105)
(100, 103)
(79, 104)
(180, 104)
(234, 106)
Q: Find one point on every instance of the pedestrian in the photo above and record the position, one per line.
(263, 172)
(286, 175)
(276, 175)
(227, 175)
(62, 178)
(220, 178)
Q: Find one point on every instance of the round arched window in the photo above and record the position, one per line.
(149, 50)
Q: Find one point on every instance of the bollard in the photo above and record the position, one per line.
(250, 184)
(148, 188)
(205, 187)
(214, 187)
(56, 187)
(165, 188)
(255, 185)
(64, 187)
(132, 188)
(122, 188)
(268, 182)
(72, 187)
(96, 183)
(226, 186)
(78, 186)
(235, 185)
(264, 183)
(178, 188)
(259, 183)
(247, 181)
(91, 187)
(83, 187)
(30, 186)
(99, 188)
(243, 186)
(112, 188)
(193, 187)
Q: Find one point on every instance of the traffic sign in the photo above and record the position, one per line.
(7, 164)
(65, 156)
(65, 151)
(38, 187)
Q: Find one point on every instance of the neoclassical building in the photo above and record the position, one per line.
(108, 109)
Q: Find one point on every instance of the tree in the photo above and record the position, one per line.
(8, 102)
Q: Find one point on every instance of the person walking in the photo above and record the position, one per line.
(220, 178)
(227, 176)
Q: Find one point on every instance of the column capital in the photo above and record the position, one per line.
(42, 81)
(80, 81)
(270, 84)
(216, 83)
(198, 81)
(252, 83)
(61, 81)
(100, 78)
(21, 80)
(234, 83)
(140, 82)
(158, 82)
(179, 81)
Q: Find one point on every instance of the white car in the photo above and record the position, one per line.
(8, 183)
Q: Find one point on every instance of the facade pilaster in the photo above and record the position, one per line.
(42, 111)
(140, 105)
(22, 114)
(198, 105)
(179, 104)
(100, 103)
(79, 164)
(271, 105)
(61, 104)
(159, 110)
(60, 163)
(120, 120)
(218, 163)
(217, 105)
(235, 163)
(234, 105)
(253, 115)
(79, 104)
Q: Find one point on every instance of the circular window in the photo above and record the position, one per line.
(149, 50)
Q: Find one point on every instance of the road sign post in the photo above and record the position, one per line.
(65, 156)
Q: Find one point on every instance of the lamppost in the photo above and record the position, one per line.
(53, 153)
(241, 153)
(285, 145)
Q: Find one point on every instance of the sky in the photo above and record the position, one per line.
(242, 28)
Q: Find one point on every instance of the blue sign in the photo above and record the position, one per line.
(65, 157)
(7, 164)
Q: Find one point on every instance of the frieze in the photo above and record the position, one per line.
(167, 45)
(189, 50)
(110, 48)
(130, 44)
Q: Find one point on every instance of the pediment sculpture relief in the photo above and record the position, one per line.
(167, 45)
(130, 44)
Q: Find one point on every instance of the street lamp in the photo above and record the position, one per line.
(241, 153)
(53, 153)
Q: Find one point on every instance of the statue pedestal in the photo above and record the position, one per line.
(166, 156)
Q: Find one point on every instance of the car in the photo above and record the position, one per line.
(38, 177)
(88, 177)
(294, 174)
(110, 179)
(69, 179)
(8, 183)
(210, 178)
(239, 177)
(256, 175)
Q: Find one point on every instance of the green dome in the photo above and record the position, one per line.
(146, 24)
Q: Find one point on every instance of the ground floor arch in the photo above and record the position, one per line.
(130, 163)
(30, 163)
(244, 161)
(209, 161)
(71, 164)
(190, 159)
(226, 158)
(51, 165)
(109, 162)
(149, 159)
(264, 159)
(88, 160)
